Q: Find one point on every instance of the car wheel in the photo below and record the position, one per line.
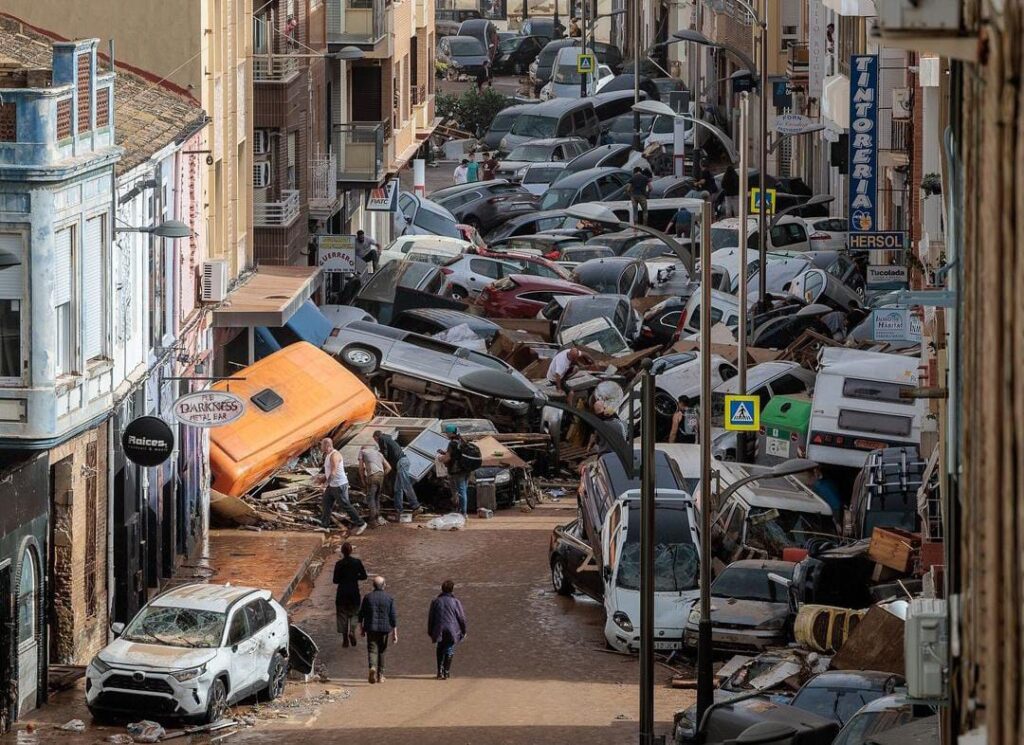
(664, 404)
(216, 701)
(361, 359)
(276, 678)
(560, 578)
(459, 293)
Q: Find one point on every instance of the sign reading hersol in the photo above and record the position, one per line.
(878, 240)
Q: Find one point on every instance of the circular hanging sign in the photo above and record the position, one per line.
(208, 408)
(147, 441)
(792, 124)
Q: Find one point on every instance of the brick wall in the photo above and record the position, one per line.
(79, 529)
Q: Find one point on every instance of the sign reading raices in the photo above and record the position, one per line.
(863, 142)
(208, 408)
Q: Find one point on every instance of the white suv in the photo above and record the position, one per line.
(190, 653)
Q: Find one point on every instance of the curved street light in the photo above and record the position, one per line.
(657, 108)
(167, 229)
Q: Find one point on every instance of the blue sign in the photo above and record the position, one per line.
(863, 142)
(782, 94)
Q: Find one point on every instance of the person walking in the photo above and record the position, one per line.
(398, 461)
(336, 488)
(367, 249)
(348, 573)
(731, 191)
(489, 166)
(377, 621)
(452, 460)
(472, 171)
(638, 188)
(373, 469)
(446, 626)
(461, 174)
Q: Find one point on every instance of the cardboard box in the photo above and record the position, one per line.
(894, 548)
(506, 341)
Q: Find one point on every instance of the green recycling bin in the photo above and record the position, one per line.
(784, 424)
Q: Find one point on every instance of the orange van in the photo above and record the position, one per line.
(293, 398)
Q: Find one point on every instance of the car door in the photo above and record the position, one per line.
(244, 649)
(589, 193)
(482, 271)
(260, 631)
(627, 281)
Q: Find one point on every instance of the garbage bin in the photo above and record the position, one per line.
(486, 494)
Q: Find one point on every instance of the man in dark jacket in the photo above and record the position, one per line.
(457, 475)
(377, 619)
(348, 573)
(731, 192)
(446, 626)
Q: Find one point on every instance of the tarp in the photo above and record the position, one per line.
(306, 324)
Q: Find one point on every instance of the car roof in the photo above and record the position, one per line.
(598, 153)
(580, 178)
(547, 141)
(869, 365)
(561, 105)
(548, 283)
(763, 373)
(769, 565)
(475, 23)
(217, 598)
(462, 36)
(733, 223)
(873, 680)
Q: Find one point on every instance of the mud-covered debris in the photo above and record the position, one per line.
(74, 725)
(145, 731)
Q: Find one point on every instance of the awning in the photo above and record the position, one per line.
(835, 102)
(852, 7)
(268, 298)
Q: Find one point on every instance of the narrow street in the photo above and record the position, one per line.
(536, 671)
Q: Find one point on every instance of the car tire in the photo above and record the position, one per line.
(560, 577)
(216, 701)
(360, 359)
(101, 717)
(459, 293)
(277, 676)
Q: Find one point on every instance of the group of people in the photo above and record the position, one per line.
(470, 170)
(704, 187)
(376, 618)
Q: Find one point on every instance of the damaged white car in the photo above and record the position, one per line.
(192, 652)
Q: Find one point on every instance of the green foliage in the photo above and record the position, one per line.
(470, 110)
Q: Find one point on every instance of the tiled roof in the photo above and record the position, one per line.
(147, 116)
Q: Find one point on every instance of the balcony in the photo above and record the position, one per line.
(278, 214)
(797, 61)
(323, 187)
(359, 22)
(418, 94)
(271, 68)
(361, 149)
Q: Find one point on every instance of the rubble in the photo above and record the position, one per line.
(146, 731)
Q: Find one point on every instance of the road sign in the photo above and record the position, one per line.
(742, 413)
(755, 201)
(878, 240)
(586, 63)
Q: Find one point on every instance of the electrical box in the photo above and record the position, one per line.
(919, 15)
(926, 647)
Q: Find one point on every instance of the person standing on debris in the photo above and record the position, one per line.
(377, 620)
(452, 460)
(684, 420)
(462, 171)
(638, 188)
(372, 471)
(336, 488)
(564, 364)
(446, 625)
(399, 461)
(367, 249)
(348, 573)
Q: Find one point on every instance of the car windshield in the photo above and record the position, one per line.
(606, 340)
(750, 583)
(541, 175)
(834, 703)
(601, 282)
(176, 627)
(531, 153)
(676, 562)
(466, 47)
(437, 224)
(666, 125)
(576, 313)
(585, 254)
(565, 73)
(534, 125)
(724, 238)
(643, 252)
(502, 122)
(555, 199)
(508, 45)
(772, 530)
(867, 723)
(625, 123)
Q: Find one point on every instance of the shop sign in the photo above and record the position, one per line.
(208, 408)
(896, 324)
(336, 253)
(383, 198)
(147, 441)
(887, 277)
(863, 161)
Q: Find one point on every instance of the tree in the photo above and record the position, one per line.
(471, 111)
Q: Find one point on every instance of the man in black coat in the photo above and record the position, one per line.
(348, 573)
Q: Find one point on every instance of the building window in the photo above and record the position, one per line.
(91, 534)
(103, 107)
(63, 272)
(64, 119)
(84, 93)
(156, 291)
(292, 143)
(259, 34)
(8, 122)
(94, 297)
(11, 280)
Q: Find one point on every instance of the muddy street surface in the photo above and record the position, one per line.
(533, 669)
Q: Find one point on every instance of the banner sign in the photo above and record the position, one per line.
(208, 408)
(878, 240)
(896, 324)
(887, 277)
(863, 142)
(336, 254)
(384, 198)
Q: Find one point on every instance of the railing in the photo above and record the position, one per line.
(267, 68)
(797, 60)
(900, 134)
(323, 175)
(356, 21)
(418, 94)
(360, 150)
(277, 214)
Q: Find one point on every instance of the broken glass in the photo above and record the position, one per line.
(176, 627)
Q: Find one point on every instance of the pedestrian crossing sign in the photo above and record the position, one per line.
(755, 201)
(742, 413)
(586, 63)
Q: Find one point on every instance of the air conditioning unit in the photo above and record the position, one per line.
(261, 142)
(926, 649)
(261, 175)
(215, 281)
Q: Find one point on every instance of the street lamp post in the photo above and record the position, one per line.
(741, 437)
(705, 670)
(637, 145)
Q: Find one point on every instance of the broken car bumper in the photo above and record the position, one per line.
(137, 692)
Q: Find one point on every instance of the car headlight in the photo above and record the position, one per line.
(99, 665)
(183, 676)
(503, 478)
(621, 620)
(694, 616)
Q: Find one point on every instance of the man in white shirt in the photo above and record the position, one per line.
(367, 249)
(564, 364)
(462, 172)
(336, 488)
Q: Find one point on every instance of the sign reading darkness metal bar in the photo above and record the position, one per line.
(863, 143)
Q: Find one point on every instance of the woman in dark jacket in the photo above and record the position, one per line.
(348, 573)
(446, 627)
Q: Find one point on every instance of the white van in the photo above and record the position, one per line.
(858, 406)
(676, 569)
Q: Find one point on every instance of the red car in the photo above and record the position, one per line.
(523, 296)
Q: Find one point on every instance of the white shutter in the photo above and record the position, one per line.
(11, 278)
(62, 241)
(93, 295)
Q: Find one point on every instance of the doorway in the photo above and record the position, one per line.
(28, 633)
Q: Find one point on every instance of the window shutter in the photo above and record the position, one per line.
(93, 296)
(62, 266)
(11, 278)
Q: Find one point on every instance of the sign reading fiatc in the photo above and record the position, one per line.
(208, 408)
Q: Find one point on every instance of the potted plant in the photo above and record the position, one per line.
(931, 184)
